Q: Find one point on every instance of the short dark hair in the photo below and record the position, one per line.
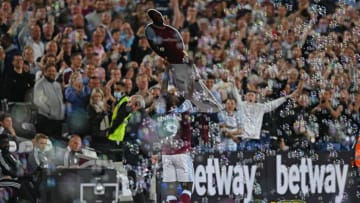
(4, 115)
(120, 83)
(49, 66)
(115, 30)
(17, 53)
(211, 76)
(74, 54)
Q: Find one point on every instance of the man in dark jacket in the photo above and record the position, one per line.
(17, 83)
(12, 176)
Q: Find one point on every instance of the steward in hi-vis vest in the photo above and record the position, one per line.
(119, 120)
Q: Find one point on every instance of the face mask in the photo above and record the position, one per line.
(117, 95)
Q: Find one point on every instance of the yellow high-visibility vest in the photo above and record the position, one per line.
(119, 132)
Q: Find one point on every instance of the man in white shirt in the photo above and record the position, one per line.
(253, 112)
(33, 40)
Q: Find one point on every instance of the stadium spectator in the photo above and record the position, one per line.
(6, 124)
(142, 83)
(98, 37)
(253, 113)
(326, 114)
(40, 157)
(89, 71)
(28, 55)
(231, 125)
(140, 48)
(128, 86)
(94, 82)
(266, 47)
(98, 117)
(33, 39)
(100, 73)
(70, 158)
(115, 76)
(48, 98)
(66, 53)
(11, 49)
(13, 174)
(77, 97)
(158, 104)
(46, 60)
(76, 66)
(303, 130)
(18, 82)
(94, 18)
(210, 81)
(7, 127)
(48, 31)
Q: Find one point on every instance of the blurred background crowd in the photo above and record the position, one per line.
(71, 60)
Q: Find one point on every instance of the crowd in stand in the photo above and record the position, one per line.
(71, 59)
(286, 71)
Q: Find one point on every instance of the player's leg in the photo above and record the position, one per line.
(169, 179)
(185, 175)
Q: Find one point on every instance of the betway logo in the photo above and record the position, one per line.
(214, 179)
(310, 178)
